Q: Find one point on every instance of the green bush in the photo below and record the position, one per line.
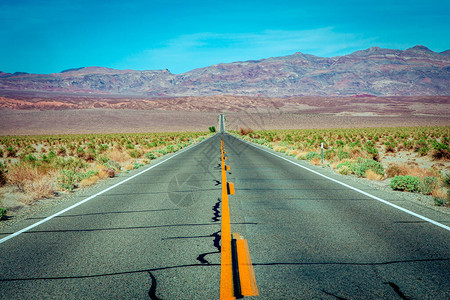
(3, 212)
(137, 165)
(11, 151)
(312, 155)
(428, 184)
(441, 151)
(29, 158)
(390, 146)
(329, 154)
(372, 151)
(423, 151)
(362, 165)
(441, 202)
(72, 163)
(212, 129)
(135, 153)
(344, 170)
(113, 165)
(67, 179)
(347, 164)
(102, 159)
(150, 156)
(342, 154)
(406, 183)
(340, 143)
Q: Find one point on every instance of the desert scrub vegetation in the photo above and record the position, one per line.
(373, 153)
(42, 166)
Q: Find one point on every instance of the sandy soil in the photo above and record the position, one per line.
(31, 122)
(52, 113)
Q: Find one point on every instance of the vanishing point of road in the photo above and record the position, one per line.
(158, 234)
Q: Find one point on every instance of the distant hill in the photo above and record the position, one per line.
(374, 71)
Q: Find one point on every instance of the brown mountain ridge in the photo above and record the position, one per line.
(375, 71)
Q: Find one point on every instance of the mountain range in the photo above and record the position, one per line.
(374, 71)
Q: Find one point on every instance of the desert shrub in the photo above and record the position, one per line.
(405, 183)
(20, 174)
(137, 165)
(428, 184)
(344, 170)
(150, 156)
(329, 154)
(355, 144)
(135, 153)
(30, 158)
(440, 151)
(340, 143)
(342, 154)
(441, 201)
(394, 170)
(408, 144)
(423, 151)
(80, 152)
(161, 151)
(43, 187)
(3, 212)
(102, 159)
(62, 151)
(67, 180)
(2, 174)
(212, 129)
(311, 155)
(371, 150)
(245, 131)
(170, 149)
(362, 165)
(389, 146)
(113, 165)
(260, 141)
(73, 163)
(11, 151)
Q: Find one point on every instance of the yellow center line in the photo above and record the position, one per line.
(226, 269)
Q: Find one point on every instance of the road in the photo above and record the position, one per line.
(157, 236)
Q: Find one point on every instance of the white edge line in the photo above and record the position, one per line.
(352, 188)
(93, 196)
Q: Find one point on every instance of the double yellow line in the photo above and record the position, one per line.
(237, 278)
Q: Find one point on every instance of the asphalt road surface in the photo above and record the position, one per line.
(157, 236)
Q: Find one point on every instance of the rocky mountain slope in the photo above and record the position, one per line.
(375, 71)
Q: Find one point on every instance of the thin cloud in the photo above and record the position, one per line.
(190, 51)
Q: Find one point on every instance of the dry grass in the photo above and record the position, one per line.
(20, 175)
(440, 193)
(118, 156)
(129, 167)
(403, 170)
(40, 188)
(293, 152)
(316, 161)
(281, 149)
(245, 131)
(89, 181)
(371, 175)
(106, 173)
(334, 164)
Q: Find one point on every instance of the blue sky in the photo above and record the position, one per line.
(39, 36)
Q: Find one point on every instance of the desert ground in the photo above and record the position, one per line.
(29, 113)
